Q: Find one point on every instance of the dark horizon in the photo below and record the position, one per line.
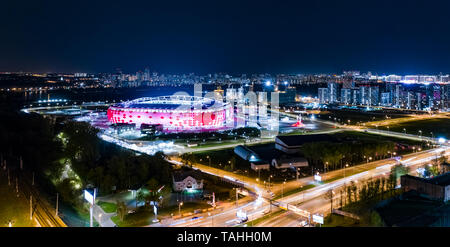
(177, 37)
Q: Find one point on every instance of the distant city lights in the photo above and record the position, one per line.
(52, 100)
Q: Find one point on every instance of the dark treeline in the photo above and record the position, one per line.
(352, 149)
(70, 157)
(362, 198)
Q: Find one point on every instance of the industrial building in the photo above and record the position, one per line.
(437, 188)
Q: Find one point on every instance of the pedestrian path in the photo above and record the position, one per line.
(104, 219)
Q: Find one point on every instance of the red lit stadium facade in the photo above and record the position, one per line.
(174, 113)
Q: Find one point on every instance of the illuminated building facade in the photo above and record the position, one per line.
(174, 113)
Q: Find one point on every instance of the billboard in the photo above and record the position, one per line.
(88, 197)
(318, 178)
(318, 218)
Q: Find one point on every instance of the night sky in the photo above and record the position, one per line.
(403, 37)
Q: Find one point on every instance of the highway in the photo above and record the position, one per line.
(313, 199)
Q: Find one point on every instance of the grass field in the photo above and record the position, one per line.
(355, 116)
(13, 208)
(335, 220)
(440, 127)
(108, 207)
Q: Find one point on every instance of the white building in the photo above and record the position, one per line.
(187, 180)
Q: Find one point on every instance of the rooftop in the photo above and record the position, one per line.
(181, 175)
(443, 179)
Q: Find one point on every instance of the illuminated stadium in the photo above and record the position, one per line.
(173, 113)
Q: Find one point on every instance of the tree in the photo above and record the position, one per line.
(188, 159)
(233, 162)
(140, 197)
(354, 190)
(382, 187)
(391, 183)
(397, 171)
(363, 193)
(68, 191)
(329, 196)
(349, 195)
(377, 189)
(441, 162)
(431, 170)
(375, 219)
(122, 210)
(150, 192)
(232, 194)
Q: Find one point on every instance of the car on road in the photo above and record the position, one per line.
(270, 193)
(242, 220)
(303, 223)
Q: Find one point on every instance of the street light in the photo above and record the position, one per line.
(345, 168)
(282, 188)
(269, 181)
(179, 207)
(259, 174)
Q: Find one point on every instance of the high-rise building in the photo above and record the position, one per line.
(346, 96)
(369, 95)
(410, 100)
(323, 96)
(364, 95)
(398, 93)
(288, 95)
(374, 95)
(446, 96)
(333, 92)
(356, 98)
(386, 99)
(423, 100)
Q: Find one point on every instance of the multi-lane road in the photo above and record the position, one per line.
(311, 200)
(314, 201)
